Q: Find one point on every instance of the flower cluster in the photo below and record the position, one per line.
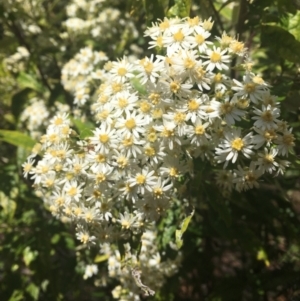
(154, 116)
(100, 19)
(79, 75)
(152, 269)
(35, 116)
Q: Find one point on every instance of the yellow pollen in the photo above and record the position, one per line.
(140, 179)
(155, 98)
(237, 47)
(148, 66)
(249, 88)
(250, 177)
(122, 162)
(97, 193)
(128, 141)
(179, 117)
(157, 113)
(288, 139)
(199, 39)
(258, 80)
(269, 158)
(237, 144)
(152, 137)
(150, 151)
(145, 107)
(267, 116)
(167, 133)
(103, 115)
(72, 191)
(88, 217)
(200, 72)
(122, 71)
(84, 238)
(174, 87)
(242, 103)
(77, 211)
(27, 167)
(270, 135)
(226, 108)
(59, 201)
(164, 25)
(58, 121)
(159, 41)
(215, 57)
(189, 63)
(101, 158)
(173, 172)
(125, 224)
(199, 130)
(218, 78)
(100, 177)
(193, 21)
(193, 105)
(130, 123)
(58, 167)
(158, 192)
(116, 87)
(77, 168)
(178, 36)
(103, 138)
(122, 102)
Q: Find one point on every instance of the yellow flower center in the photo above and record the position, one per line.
(122, 102)
(218, 78)
(159, 41)
(288, 139)
(72, 191)
(175, 87)
(199, 130)
(215, 57)
(226, 108)
(193, 105)
(100, 177)
(130, 123)
(178, 36)
(199, 39)
(122, 162)
(157, 113)
(122, 71)
(189, 63)
(150, 151)
(173, 172)
(249, 88)
(128, 141)
(145, 107)
(242, 103)
(101, 158)
(140, 179)
(155, 98)
(179, 117)
(267, 116)
(270, 135)
(237, 144)
(237, 47)
(269, 158)
(103, 138)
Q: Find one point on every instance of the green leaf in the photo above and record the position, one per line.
(180, 9)
(85, 128)
(281, 42)
(17, 295)
(29, 255)
(180, 232)
(28, 81)
(138, 86)
(33, 290)
(17, 138)
(101, 258)
(18, 101)
(155, 9)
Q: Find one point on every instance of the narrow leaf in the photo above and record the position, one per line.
(17, 138)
